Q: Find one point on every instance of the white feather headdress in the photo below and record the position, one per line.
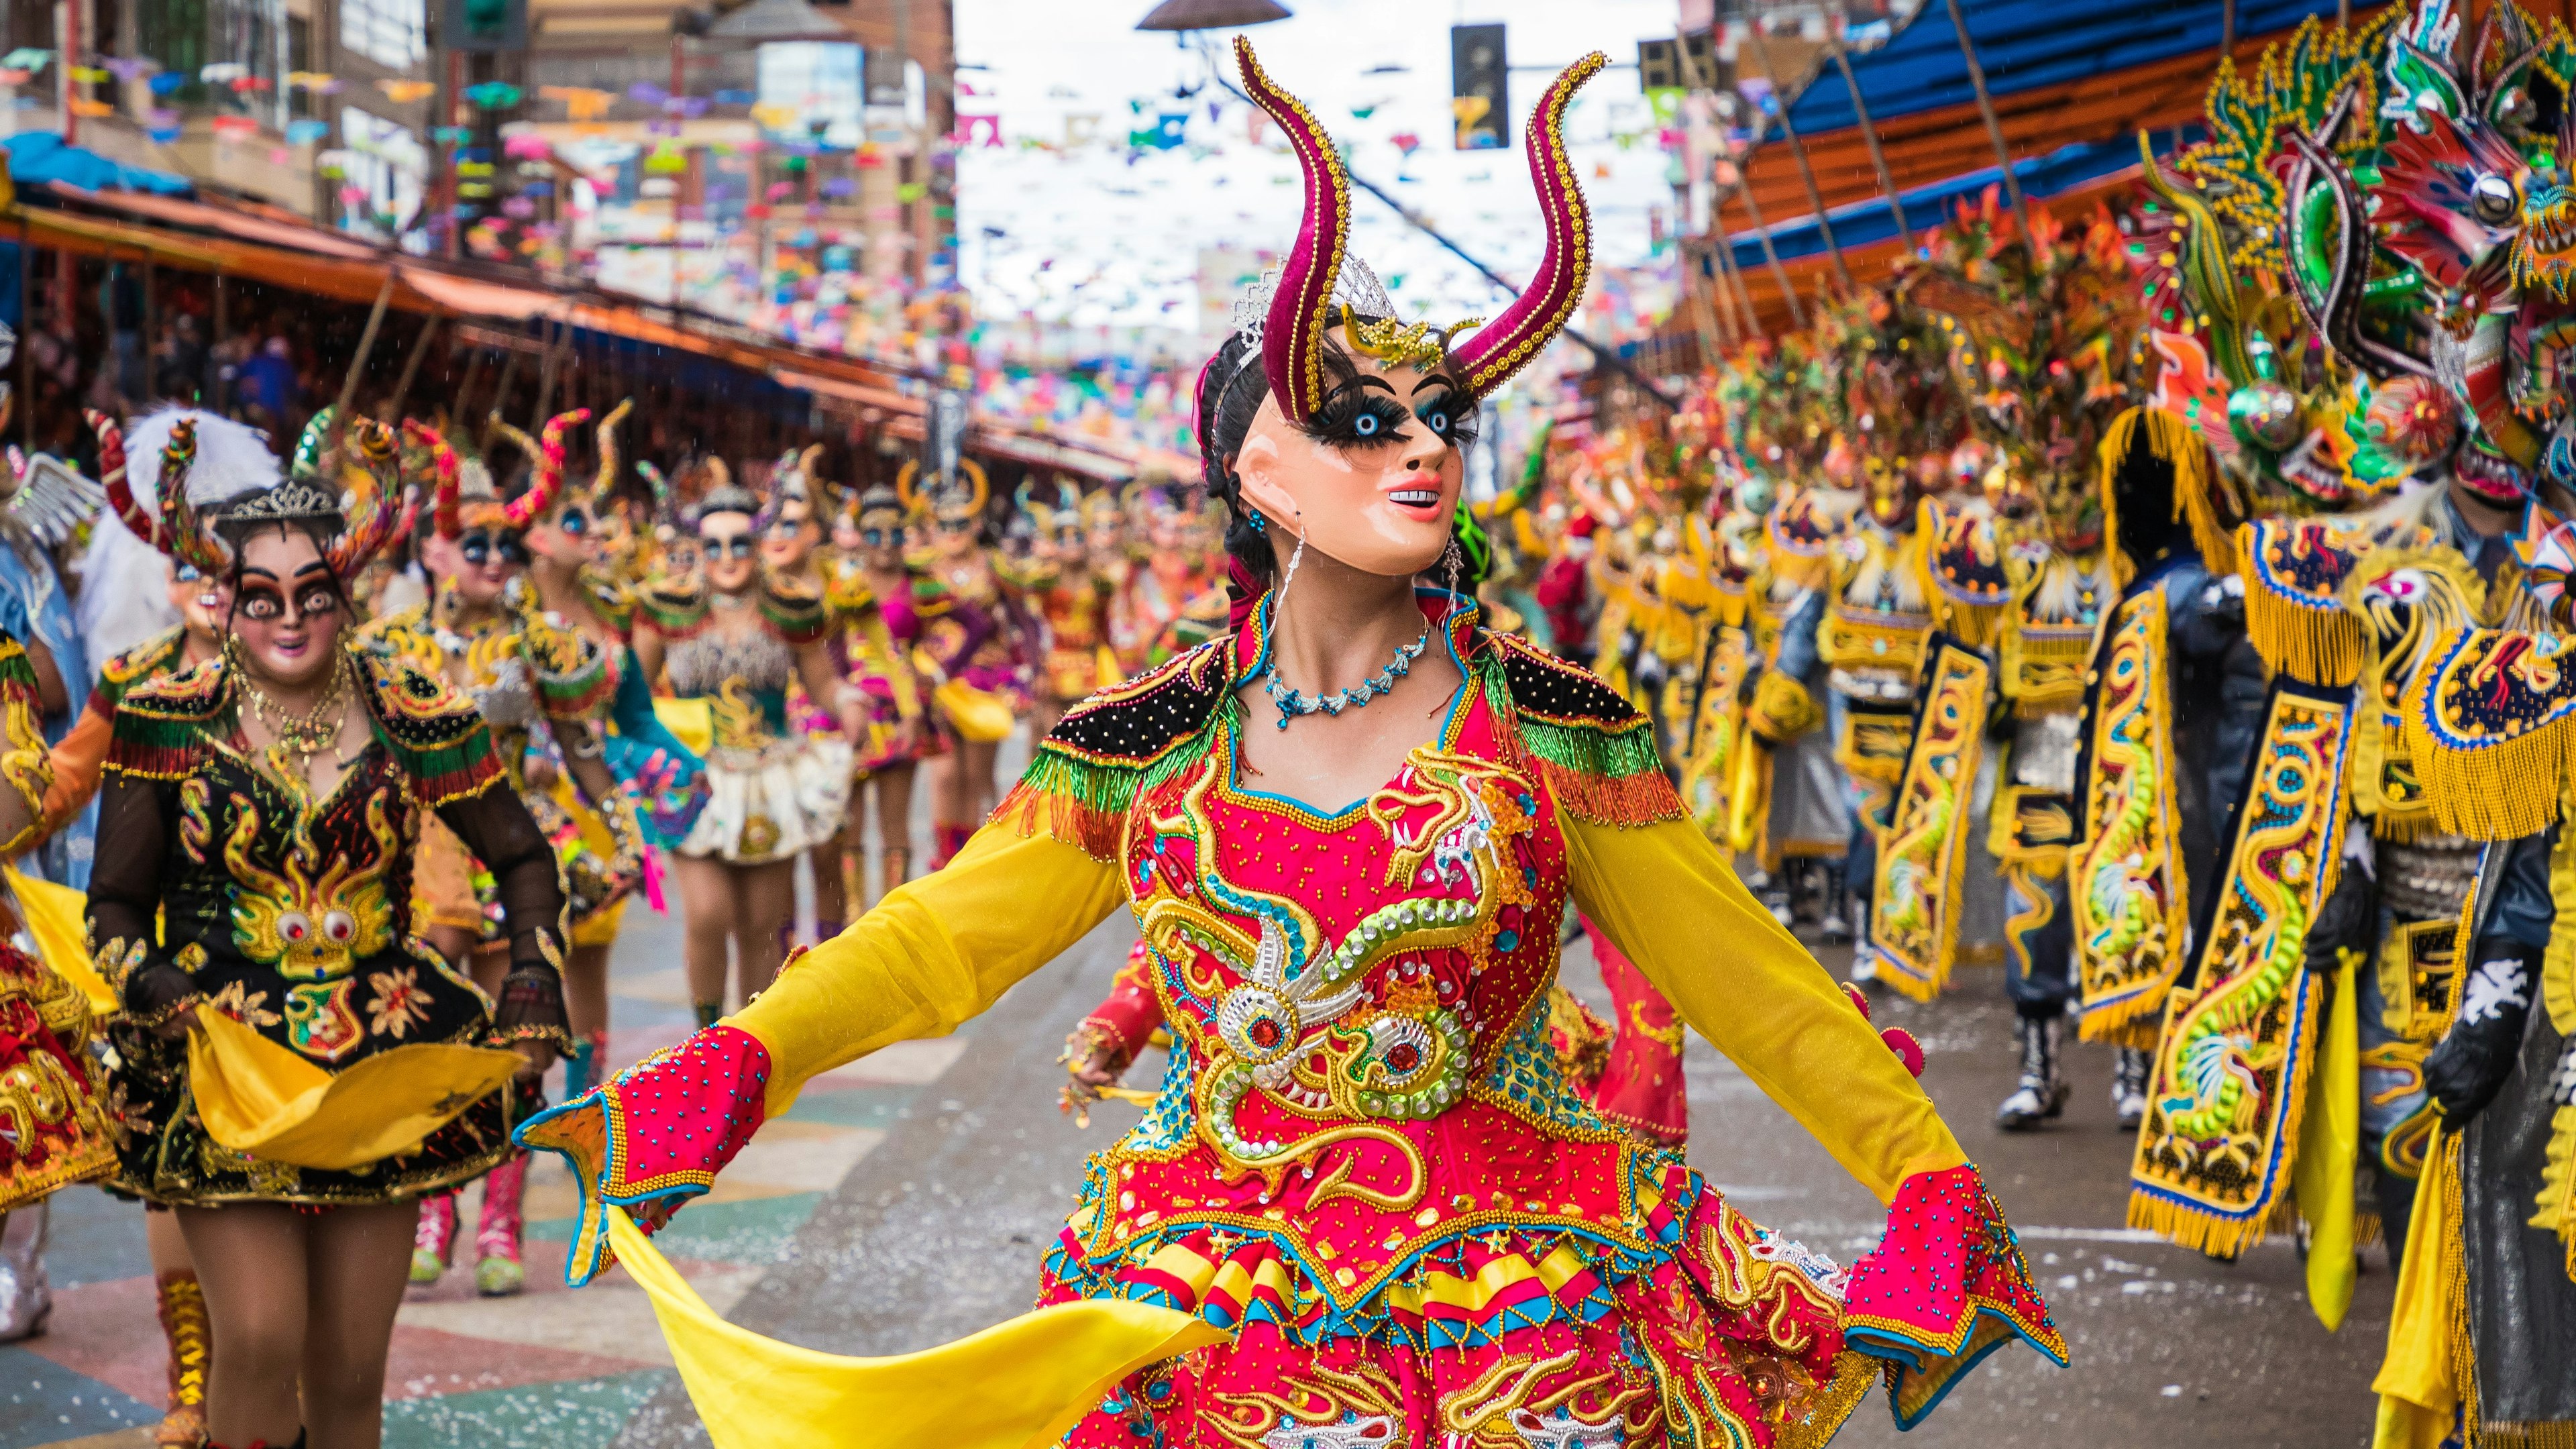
(232, 458)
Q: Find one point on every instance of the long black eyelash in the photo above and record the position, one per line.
(1358, 418)
(1448, 420)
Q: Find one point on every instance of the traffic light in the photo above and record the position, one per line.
(1660, 64)
(1480, 87)
(484, 26)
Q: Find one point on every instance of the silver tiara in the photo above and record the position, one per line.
(1355, 289)
(295, 500)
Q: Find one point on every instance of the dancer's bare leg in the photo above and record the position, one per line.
(761, 893)
(706, 902)
(355, 1261)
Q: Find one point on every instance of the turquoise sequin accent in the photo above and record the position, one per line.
(1526, 1074)
(1166, 1125)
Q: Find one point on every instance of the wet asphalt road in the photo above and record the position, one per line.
(938, 1232)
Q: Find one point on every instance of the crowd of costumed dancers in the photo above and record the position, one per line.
(2170, 603)
(422, 721)
(2163, 603)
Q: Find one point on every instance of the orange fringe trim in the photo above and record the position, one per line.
(1643, 798)
(1032, 811)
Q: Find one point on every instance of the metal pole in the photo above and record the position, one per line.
(444, 109)
(1736, 294)
(358, 364)
(68, 28)
(152, 331)
(500, 397)
(1771, 255)
(1721, 319)
(460, 401)
(1698, 279)
(546, 375)
(222, 401)
(1877, 157)
(411, 367)
(1719, 283)
(1798, 150)
(2227, 25)
(1986, 108)
(26, 335)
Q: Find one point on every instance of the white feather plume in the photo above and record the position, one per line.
(124, 597)
(232, 459)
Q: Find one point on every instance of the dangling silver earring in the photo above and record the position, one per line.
(1456, 561)
(1295, 556)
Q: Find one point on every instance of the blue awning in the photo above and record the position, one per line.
(2028, 45)
(37, 156)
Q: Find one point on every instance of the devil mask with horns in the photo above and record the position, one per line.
(481, 539)
(218, 482)
(1323, 418)
(578, 523)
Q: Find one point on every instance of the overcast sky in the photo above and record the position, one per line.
(1087, 237)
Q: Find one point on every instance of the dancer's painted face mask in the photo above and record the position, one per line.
(1357, 444)
(1373, 480)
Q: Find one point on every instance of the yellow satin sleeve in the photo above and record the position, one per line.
(1670, 901)
(930, 955)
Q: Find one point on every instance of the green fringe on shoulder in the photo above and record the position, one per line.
(1084, 802)
(1602, 773)
(159, 733)
(17, 671)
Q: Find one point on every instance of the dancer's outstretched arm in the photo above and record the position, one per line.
(1670, 902)
(930, 955)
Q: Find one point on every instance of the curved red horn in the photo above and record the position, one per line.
(442, 460)
(1292, 336)
(548, 483)
(1505, 345)
(373, 524)
(120, 489)
(607, 476)
(188, 539)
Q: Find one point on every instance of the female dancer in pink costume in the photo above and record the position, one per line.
(1348, 833)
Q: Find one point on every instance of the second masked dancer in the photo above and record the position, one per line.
(732, 635)
(255, 866)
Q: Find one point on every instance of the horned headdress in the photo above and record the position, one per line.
(215, 470)
(1292, 309)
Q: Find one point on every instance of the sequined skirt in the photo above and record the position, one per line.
(773, 803)
(1722, 1333)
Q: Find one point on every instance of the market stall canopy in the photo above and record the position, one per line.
(215, 218)
(259, 246)
(2072, 87)
(298, 257)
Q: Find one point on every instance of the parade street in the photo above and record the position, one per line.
(907, 1199)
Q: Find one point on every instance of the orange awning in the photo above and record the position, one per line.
(316, 266)
(231, 223)
(468, 297)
